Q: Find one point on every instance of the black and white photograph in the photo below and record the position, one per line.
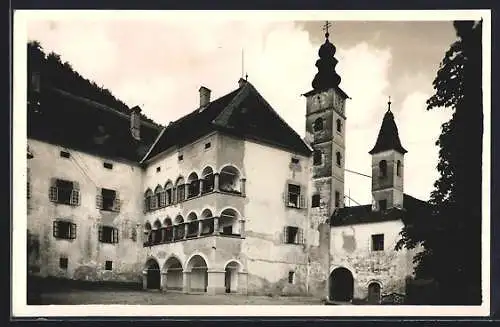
(181, 163)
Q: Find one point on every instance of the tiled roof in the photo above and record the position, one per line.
(243, 113)
(363, 214)
(82, 124)
(388, 136)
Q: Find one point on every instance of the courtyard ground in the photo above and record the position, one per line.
(165, 298)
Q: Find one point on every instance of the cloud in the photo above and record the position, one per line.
(161, 65)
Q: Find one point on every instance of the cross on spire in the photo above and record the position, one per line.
(389, 104)
(326, 27)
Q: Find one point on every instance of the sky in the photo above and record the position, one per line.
(160, 65)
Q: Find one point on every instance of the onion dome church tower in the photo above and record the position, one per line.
(325, 133)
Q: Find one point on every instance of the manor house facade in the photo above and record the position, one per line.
(227, 199)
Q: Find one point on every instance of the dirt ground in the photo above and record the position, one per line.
(161, 298)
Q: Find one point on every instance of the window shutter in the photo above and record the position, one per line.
(76, 186)
(284, 235)
(302, 202)
(100, 233)
(145, 209)
(117, 202)
(300, 236)
(75, 197)
(285, 198)
(55, 228)
(98, 199)
(73, 231)
(115, 235)
(53, 194)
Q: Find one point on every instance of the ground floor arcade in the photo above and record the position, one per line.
(194, 276)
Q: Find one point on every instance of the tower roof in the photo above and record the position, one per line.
(388, 136)
(326, 77)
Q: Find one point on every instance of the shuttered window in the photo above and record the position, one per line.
(108, 234)
(64, 230)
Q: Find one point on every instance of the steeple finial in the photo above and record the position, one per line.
(326, 27)
(389, 104)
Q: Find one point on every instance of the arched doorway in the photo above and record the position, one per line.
(341, 285)
(198, 276)
(153, 276)
(231, 276)
(173, 269)
(374, 293)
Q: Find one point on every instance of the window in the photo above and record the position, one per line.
(382, 165)
(108, 265)
(64, 230)
(398, 168)
(382, 204)
(108, 234)
(315, 201)
(108, 200)
(378, 242)
(337, 199)
(181, 192)
(108, 165)
(64, 192)
(318, 125)
(208, 145)
(227, 230)
(158, 169)
(292, 235)
(295, 160)
(338, 159)
(290, 277)
(64, 154)
(180, 157)
(208, 180)
(339, 126)
(63, 263)
(293, 197)
(317, 158)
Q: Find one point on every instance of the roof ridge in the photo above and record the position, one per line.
(274, 112)
(223, 117)
(101, 106)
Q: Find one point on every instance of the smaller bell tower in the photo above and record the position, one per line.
(387, 166)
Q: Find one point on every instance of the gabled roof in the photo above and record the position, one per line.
(242, 113)
(363, 214)
(388, 136)
(82, 124)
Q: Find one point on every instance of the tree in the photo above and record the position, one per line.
(451, 235)
(62, 75)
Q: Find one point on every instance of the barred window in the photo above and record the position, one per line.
(64, 230)
(108, 234)
(108, 265)
(378, 242)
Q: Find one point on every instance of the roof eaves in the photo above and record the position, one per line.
(153, 145)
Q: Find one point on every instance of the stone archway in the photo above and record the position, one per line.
(152, 276)
(173, 274)
(198, 274)
(341, 285)
(374, 293)
(231, 274)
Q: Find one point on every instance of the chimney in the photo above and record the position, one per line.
(135, 123)
(241, 82)
(204, 96)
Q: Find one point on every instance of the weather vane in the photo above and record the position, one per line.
(389, 104)
(326, 27)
